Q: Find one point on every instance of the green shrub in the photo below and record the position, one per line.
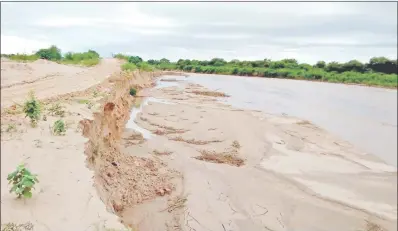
(133, 91)
(129, 67)
(59, 128)
(32, 109)
(22, 181)
(89, 62)
(143, 66)
(53, 53)
(89, 58)
(134, 59)
(23, 57)
(121, 56)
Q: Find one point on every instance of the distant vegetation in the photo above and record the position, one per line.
(21, 57)
(135, 63)
(53, 53)
(379, 71)
(89, 58)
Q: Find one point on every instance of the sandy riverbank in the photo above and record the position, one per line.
(295, 176)
(207, 166)
(65, 198)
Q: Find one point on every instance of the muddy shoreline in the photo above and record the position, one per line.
(199, 139)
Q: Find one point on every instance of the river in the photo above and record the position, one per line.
(364, 116)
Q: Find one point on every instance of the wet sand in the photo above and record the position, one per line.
(295, 175)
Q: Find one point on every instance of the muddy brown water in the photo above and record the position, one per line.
(364, 116)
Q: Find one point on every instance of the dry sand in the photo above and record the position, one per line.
(210, 166)
(49, 79)
(65, 198)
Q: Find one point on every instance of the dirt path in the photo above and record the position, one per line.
(294, 175)
(48, 79)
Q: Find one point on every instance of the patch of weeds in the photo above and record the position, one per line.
(11, 128)
(56, 110)
(221, 158)
(22, 181)
(162, 153)
(17, 227)
(236, 144)
(15, 109)
(83, 101)
(87, 102)
(121, 56)
(32, 109)
(58, 128)
(133, 91)
(129, 67)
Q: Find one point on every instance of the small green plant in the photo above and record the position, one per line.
(129, 67)
(83, 101)
(22, 181)
(59, 128)
(32, 109)
(52, 53)
(11, 128)
(133, 91)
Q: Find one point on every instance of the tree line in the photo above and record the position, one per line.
(379, 71)
(53, 53)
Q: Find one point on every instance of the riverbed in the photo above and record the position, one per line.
(227, 151)
(364, 116)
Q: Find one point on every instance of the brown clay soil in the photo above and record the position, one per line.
(208, 166)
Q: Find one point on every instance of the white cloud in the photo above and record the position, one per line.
(14, 44)
(330, 31)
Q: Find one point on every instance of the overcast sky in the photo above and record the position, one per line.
(247, 31)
